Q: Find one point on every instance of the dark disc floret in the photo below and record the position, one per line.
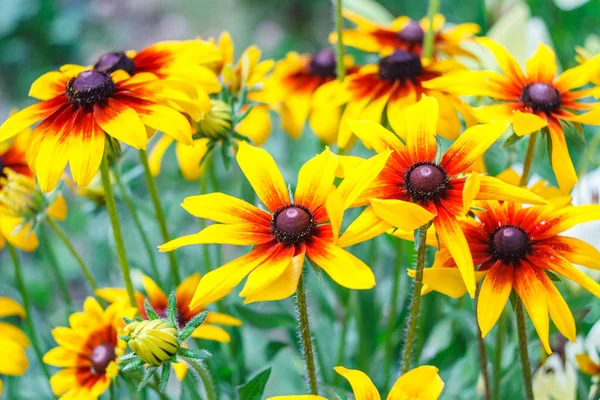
(541, 97)
(323, 64)
(425, 182)
(90, 87)
(401, 65)
(293, 224)
(412, 33)
(111, 62)
(102, 355)
(509, 244)
(2, 165)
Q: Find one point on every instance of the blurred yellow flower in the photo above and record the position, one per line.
(13, 341)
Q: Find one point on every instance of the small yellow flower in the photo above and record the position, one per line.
(13, 341)
(153, 341)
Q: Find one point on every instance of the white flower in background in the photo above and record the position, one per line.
(555, 379)
(587, 357)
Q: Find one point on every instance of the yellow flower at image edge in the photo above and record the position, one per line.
(153, 341)
(13, 341)
(422, 383)
(88, 350)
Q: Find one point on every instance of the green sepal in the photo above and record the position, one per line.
(127, 320)
(553, 276)
(147, 376)
(132, 365)
(197, 354)
(191, 326)
(125, 338)
(150, 311)
(239, 118)
(128, 357)
(172, 310)
(164, 378)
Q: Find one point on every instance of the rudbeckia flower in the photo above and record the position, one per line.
(78, 109)
(392, 85)
(422, 383)
(515, 247)
(88, 350)
(292, 86)
(406, 34)
(531, 100)
(13, 341)
(417, 186)
(290, 228)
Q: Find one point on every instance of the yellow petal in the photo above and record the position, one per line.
(493, 296)
(366, 226)
(506, 61)
(401, 214)
(9, 307)
(526, 123)
(315, 180)
(223, 208)
(13, 360)
(157, 153)
(361, 177)
(564, 268)
(561, 160)
(222, 319)
(268, 272)
(13, 333)
(578, 76)
(362, 386)
(577, 251)
(494, 189)
(121, 122)
(324, 121)
(58, 209)
(541, 67)
(559, 310)
(421, 128)
(181, 369)
(190, 157)
(376, 136)
(256, 125)
(238, 234)
(211, 332)
(470, 191)
(153, 291)
(19, 235)
(421, 383)
(447, 281)
(335, 211)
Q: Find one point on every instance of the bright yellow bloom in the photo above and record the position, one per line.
(416, 186)
(531, 100)
(422, 383)
(406, 34)
(542, 188)
(514, 247)
(88, 350)
(288, 230)
(13, 341)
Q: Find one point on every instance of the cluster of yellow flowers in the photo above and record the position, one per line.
(196, 95)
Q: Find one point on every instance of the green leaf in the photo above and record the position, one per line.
(164, 378)
(265, 320)
(513, 300)
(191, 326)
(512, 139)
(132, 365)
(197, 354)
(150, 311)
(127, 320)
(172, 311)
(553, 276)
(254, 389)
(273, 348)
(147, 376)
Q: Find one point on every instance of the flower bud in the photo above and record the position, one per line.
(154, 342)
(217, 123)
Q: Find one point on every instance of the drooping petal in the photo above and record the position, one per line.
(86, 148)
(366, 226)
(315, 180)
(401, 214)
(17, 233)
(264, 176)
(562, 267)
(256, 125)
(189, 158)
(559, 310)
(494, 189)
(334, 206)
(362, 386)
(324, 121)
(493, 296)
(122, 123)
(226, 209)
(13, 360)
(361, 177)
(211, 332)
(526, 123)
(471, 145)
(448, 281)
(153, 291)
(376, 136)
(58, 209)
(268, 272)
(222, 319)
(561, 160)
(157, 153)
(421, 383)
(9, 307)
(541, 67)
(575, 251)
(29, 116)
(506, 61)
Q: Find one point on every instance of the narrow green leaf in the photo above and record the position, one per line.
(132, 365)
(164, 378)
(198, 354)
(172, 311)
(150, 311)
(192, 325)
(254, 389)
(147, 376)
(553, 276)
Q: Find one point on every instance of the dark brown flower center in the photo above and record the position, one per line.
(401, 65)
(2, 165)
(102, 355)
(90, 87)
(293, 224)
(323, 64)
(425, 182)
(509, 244)
(412, 33)
(111, 62)
(541, 97)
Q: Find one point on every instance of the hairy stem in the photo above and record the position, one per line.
(522, 334)
(307, 344)
(205, 377)
(528, 159)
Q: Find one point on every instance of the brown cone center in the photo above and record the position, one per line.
(412, 33)
(102, 355)
(510, 244)
(541, 97)
(293, 224)
(90, 87)
(111, 62)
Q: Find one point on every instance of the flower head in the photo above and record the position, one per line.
(419, 185)
(79, 108)
(88, 350)
(153, 341)
(521, 249)
(532, 100)
(13, 341)
(404, 33)
(290, 229)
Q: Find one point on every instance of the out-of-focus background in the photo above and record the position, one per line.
(37, 36)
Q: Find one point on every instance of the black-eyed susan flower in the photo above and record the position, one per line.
(417, 185)
(515, 248)
(389, 87)
(88, 350)
(291, 228)
(421, 383)
(532, 100)
(406, 34)
(78, 109)
(292, 85)
(13, 341)
(23, 207)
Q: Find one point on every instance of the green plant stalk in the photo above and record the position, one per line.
(138, 224)
(111, 207)
(389, 333)
(339, 25)
(497, 366)
(28, 311)
(483, 360)
(413, 317)
(432, 9)
(522, 336)
(206, 380)
(60, 278)
(307, 344)
(528, 162)
(160, 215)
(343, 336)
(82, 265)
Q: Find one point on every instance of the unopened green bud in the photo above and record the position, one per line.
(154, 342)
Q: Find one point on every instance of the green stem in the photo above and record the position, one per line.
(138, 224)
(111, 207)
(497, 367)
(60, 278)
(339, 25)
(522, 334)
(391, 328)
(413, 317)
(28, 310)
(307, 344)
(528, 159)
(483, 360)
(434, 6)
(204, 375)
(343, 336)
(160, 215)
(63, 237)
